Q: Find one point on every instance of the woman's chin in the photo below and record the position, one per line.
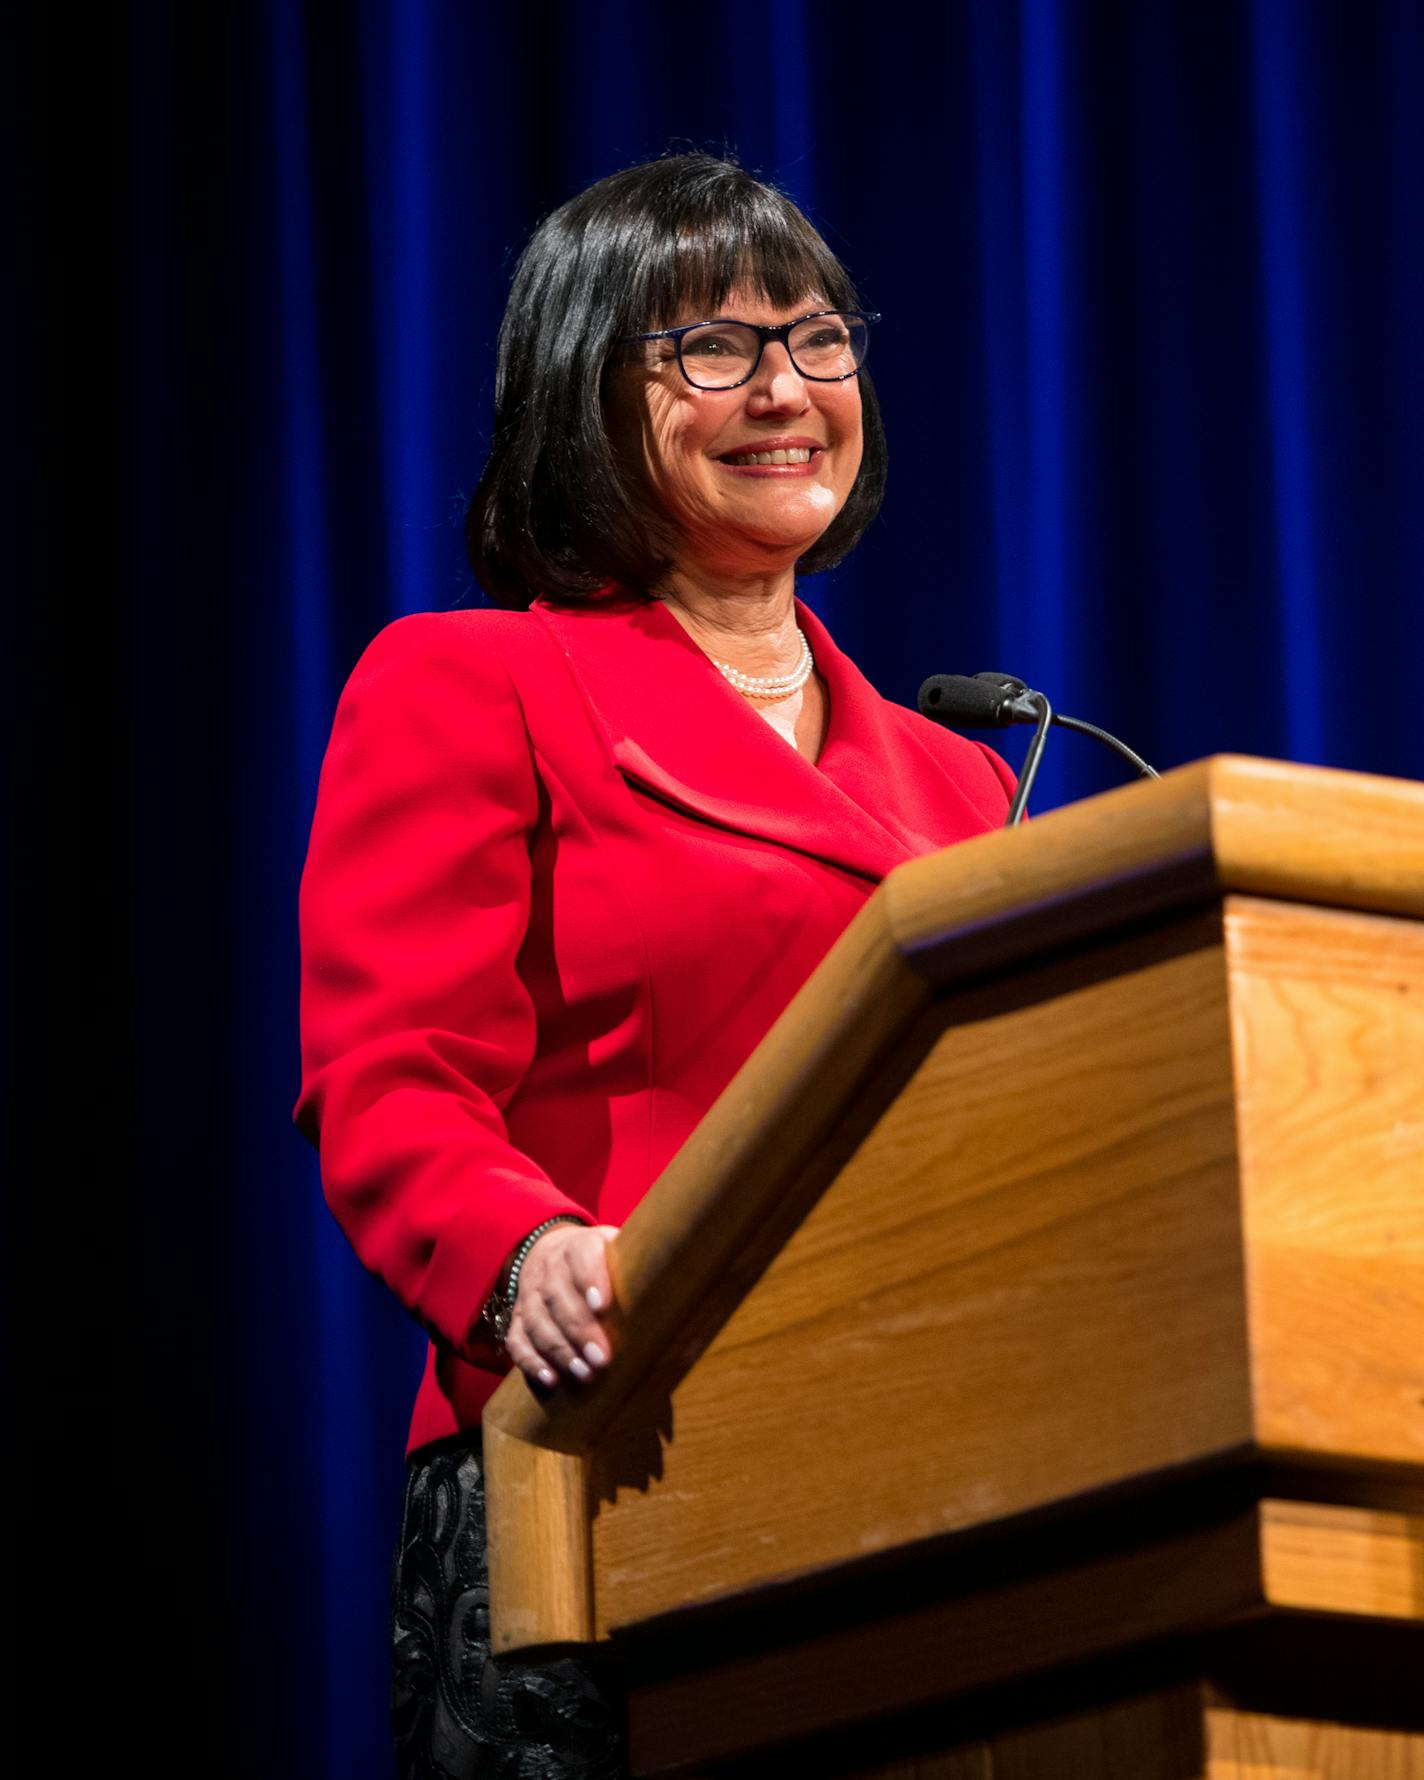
(784, 534)
(747, 552)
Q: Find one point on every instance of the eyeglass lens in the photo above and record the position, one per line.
(721, 353)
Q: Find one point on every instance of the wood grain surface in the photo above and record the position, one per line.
(1259, 1746)
(982, 1637)
(543, 1541)
(1049, 1300)
(1324, 1558)
(1332, 1563)
(1328, 1025)
(1175, 1733)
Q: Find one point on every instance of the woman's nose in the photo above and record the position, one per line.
(776, 383)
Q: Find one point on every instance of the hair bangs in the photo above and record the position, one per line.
(753, 240)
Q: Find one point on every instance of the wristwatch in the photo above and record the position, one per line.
(499, 1306)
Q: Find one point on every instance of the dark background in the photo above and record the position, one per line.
(1153, 373)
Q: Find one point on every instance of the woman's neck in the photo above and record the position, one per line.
(750, 624)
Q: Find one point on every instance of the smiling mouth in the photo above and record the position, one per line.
(793, 454)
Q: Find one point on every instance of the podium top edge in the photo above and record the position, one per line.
(1230, 823)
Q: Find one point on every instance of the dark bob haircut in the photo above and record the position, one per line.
(555, 513)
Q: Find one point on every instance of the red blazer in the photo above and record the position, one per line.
(561, 880)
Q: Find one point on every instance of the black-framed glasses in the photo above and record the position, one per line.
(827, 346)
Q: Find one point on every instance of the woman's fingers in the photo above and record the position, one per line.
(566, 1308)
(547, 1338)
(563, 1286)
(532, 1364)
(589, 1266)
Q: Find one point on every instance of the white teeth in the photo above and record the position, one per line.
(795, 454)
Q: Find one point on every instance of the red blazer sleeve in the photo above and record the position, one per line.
(416, 1027)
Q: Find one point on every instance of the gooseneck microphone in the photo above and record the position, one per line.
(995, 701)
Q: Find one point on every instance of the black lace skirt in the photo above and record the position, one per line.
(459, 1713)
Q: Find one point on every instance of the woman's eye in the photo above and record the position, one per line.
(721, 342)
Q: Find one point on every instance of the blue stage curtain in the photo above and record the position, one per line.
(1152, 366)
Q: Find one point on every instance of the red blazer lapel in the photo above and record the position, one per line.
(677, 730)
(871, 744)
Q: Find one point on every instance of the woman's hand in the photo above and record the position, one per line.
(564, 1287)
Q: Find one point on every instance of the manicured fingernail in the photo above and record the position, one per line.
(547, 1377)
(579, 1370)
(595, 1298)
(594, 1354)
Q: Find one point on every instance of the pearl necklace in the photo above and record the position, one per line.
(770, 686)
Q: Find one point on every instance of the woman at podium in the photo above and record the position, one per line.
(574, 853)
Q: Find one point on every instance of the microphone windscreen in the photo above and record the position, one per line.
(977, 704)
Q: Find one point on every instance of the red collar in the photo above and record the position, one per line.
(677, 729)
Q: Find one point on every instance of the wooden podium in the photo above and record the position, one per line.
(1022, 1371)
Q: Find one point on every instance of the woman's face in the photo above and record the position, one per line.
(692, 446)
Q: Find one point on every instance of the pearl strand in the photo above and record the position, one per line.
(770, 686)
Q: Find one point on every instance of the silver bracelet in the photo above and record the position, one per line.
(499, 1307)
